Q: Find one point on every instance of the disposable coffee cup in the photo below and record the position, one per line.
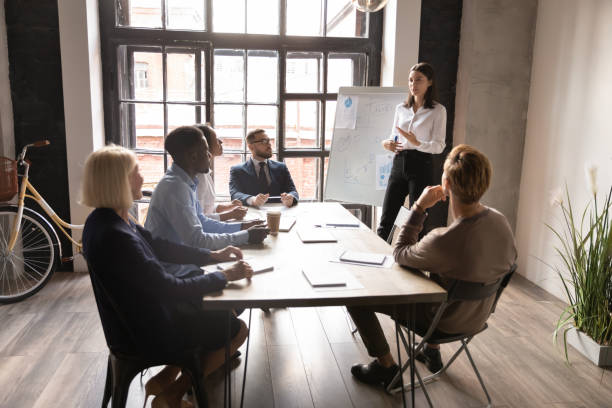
(273, 221)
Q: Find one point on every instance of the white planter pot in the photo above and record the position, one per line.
(600, 355)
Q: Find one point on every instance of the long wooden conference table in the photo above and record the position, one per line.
(286, 286)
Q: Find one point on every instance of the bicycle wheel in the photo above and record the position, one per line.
(29, 266)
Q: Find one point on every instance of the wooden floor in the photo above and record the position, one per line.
(53, 354)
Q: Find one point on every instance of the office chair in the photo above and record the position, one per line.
(459, 291)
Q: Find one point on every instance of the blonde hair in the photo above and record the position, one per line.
(468, 172)
(106, 178)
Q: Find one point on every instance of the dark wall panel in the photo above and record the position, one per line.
(36, 89)
(439, 45)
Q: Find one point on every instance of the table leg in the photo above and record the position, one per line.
(227, 392)
(246, 361)
(411, 342)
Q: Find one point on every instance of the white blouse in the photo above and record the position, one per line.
(206, 194)
(428, 125)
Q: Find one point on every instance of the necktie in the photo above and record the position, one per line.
(263, 180)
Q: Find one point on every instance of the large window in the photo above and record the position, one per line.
(240, 65)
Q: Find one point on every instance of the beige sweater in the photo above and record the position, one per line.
(477, 249)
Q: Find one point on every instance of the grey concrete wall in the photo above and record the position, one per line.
(493, 83)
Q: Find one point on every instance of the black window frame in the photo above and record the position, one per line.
(113, 36)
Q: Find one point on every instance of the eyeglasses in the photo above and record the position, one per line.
(264, 141)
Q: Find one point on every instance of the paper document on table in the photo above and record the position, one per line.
(322, 278)
(258, 265)
(286, 223)
(346, 112)
(363, 257)
(313, 235)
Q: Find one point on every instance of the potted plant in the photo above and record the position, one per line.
(585, 247)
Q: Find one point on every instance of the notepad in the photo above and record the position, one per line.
(342, 224)
(286, 223)
(258, 267)
(322, 278)
(312, 235)
(363, 257)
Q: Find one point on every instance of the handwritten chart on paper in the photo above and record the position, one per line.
(359, 167)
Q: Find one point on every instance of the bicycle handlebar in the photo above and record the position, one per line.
(39, 143)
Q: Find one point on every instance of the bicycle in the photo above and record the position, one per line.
(30, 248)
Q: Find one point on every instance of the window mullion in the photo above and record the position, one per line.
(165, 99)
(282, 63)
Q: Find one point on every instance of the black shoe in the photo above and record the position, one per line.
(374, 373)
(431, 358)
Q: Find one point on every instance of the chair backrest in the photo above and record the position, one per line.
(400, 220)
(464, 291)
(113, 321)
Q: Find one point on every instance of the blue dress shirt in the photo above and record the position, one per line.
(176, 215)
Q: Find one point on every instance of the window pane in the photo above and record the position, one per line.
(221, 173)
(305, 17)
(228, 16)
(138, 13)
(229, 121)
(142, 125)
(330, 114)
(151, 167)
(180, 115)
(181, 77)
(186, 15)
(229, 76)
(305, 174)
(263, 117)
(262, 76)
(140, 73)
(262, 16)
(344, 20)
(301, 124)
(345, 70)
(304, 72)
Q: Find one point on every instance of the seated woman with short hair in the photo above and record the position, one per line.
(478, 246)
(163, 313)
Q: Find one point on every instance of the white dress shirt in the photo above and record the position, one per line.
(206, 194)
(428, 125)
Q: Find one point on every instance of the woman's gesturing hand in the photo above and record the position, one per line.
(392, 146)
(237, 271)
(409, 136)
(430, 196)
(228, 253)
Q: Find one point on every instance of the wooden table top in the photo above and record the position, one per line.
(286, 285)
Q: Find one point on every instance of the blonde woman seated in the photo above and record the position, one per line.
(163, 313)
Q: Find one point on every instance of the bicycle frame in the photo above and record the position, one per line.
(34, 195)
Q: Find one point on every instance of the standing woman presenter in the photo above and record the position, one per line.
(418, 132)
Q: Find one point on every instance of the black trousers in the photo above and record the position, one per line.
(411, 172)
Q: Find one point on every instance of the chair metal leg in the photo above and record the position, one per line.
(108, 386)
(477, 372)
(350, 322)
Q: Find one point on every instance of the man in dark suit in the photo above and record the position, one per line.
(259, 180)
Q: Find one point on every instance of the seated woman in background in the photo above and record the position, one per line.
(163, 313)
(206, 184)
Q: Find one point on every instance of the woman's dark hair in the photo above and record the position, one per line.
(431, 94)
(207, 131)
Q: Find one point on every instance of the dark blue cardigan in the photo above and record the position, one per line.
(159, 310)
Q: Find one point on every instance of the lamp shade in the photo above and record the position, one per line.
(369, 6)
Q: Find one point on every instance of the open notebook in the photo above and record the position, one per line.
(323, 278)
(363, 257)
(312, 235)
